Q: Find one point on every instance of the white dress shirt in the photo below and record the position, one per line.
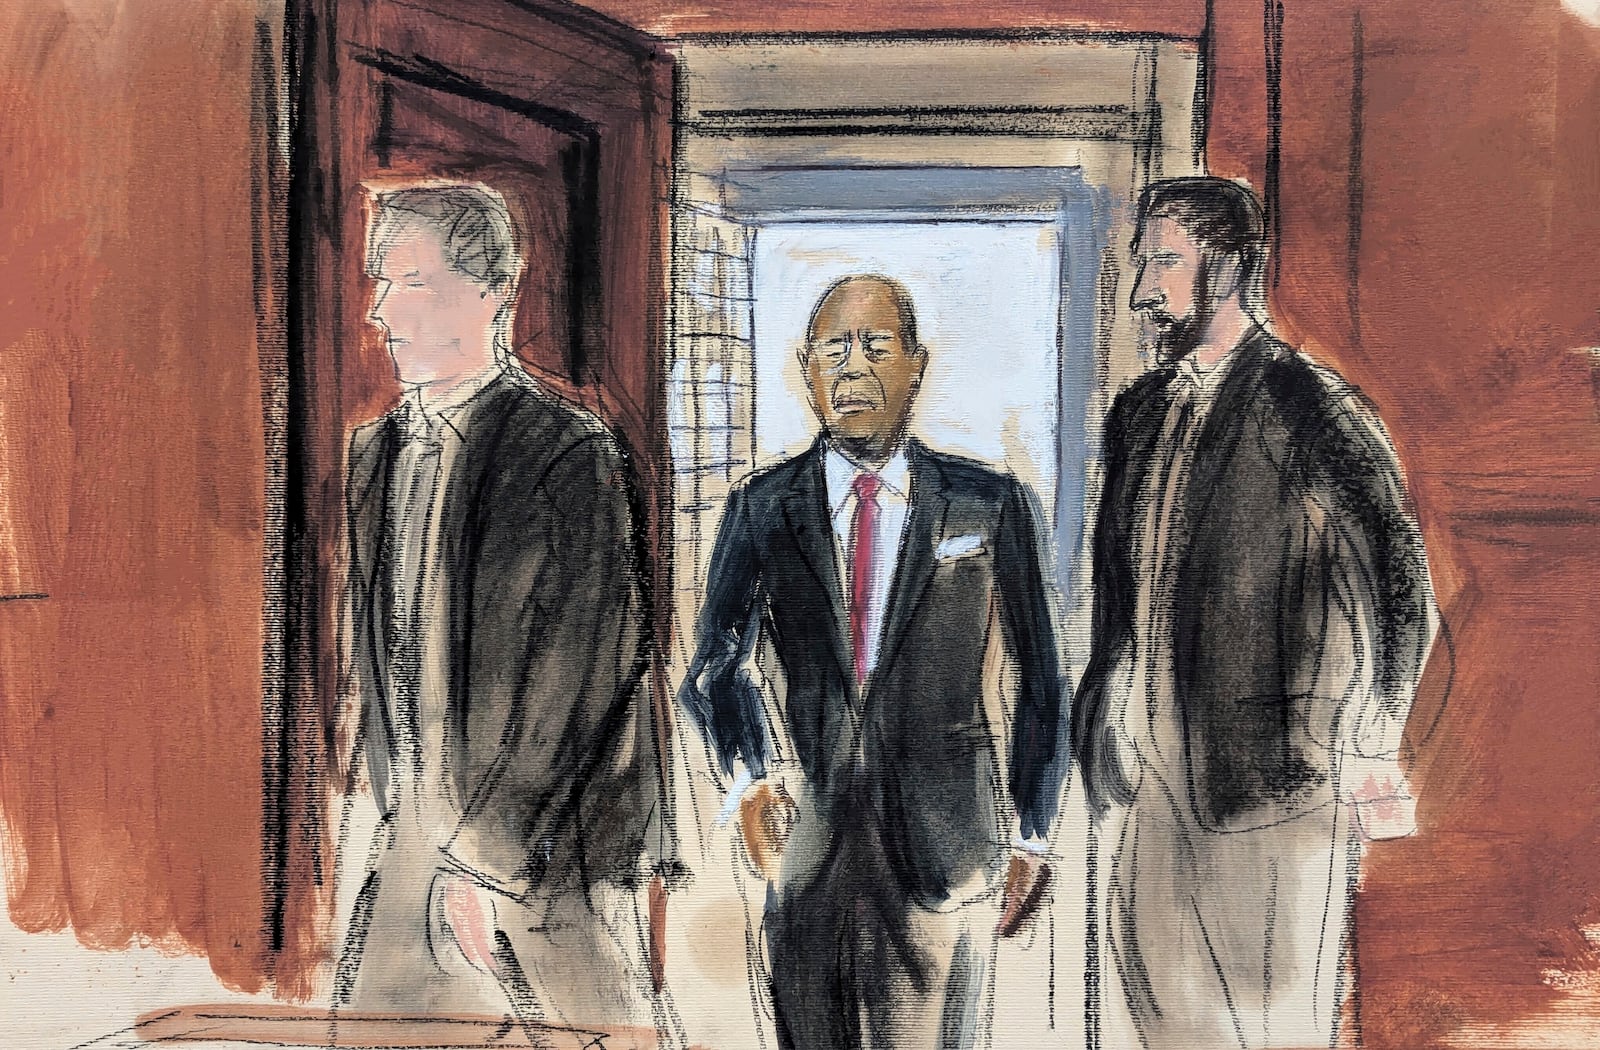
(894, 507)
(421, 577)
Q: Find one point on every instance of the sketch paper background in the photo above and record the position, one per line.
(1431, 171)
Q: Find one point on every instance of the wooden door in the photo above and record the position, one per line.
(567, 115)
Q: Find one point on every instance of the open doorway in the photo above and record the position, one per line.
(991, 175)
(992, 178)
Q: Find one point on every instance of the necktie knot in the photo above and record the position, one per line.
(866, 485)
(417, 426)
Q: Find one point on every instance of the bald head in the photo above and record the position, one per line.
(864, 364)
(870, 284)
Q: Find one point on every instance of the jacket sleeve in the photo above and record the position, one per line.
(721, 692)
(579, 748)
(1111, 626)
(1039, 751)
(1375, 563)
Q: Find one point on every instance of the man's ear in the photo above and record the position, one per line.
(802, 354)
(1227, 276)
(921, 354)
(498, 289)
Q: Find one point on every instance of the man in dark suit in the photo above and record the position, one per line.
(500, 648)
(1262, 612)
(855, 590)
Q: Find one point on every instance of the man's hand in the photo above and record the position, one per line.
(469, 914)
(1384, 805)
(766, 817)
(1025, 885)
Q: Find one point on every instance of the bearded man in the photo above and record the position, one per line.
(1262, 613)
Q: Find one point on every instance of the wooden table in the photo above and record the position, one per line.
(253, 1027)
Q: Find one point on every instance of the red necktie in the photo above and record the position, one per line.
(863, 561)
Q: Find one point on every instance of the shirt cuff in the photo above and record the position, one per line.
(1032, 845)
(730, 803)
(1369, 779)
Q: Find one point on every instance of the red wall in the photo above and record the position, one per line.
(130, 700)
(132, 476)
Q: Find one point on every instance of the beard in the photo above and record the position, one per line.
(1176, 337)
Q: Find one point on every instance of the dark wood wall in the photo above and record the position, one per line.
(137, 354)
(568, 115)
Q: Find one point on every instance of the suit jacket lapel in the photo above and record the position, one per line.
(924, 526)
(481, 427)
(1225, 424)
(378, 508)
(807, 512)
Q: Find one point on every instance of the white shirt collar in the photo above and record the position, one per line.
(445, 410)
(840, 472)
(1206, 379)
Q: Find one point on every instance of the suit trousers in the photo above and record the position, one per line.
(853, 963)
(581, 951)
(1233, 939)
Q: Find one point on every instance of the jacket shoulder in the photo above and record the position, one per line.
(364, 435)
(544, 425)
(1312, 397)
(974, 478)
(774, 480)
(1303, 391)
(1144, 386)
(1331, 425)
(1132, 400)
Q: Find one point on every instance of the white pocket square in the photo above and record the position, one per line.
(959, 547)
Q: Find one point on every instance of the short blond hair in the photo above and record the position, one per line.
(473, 222)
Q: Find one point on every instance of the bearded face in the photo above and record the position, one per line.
(1174, 291)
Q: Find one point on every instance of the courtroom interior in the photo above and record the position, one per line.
(183, 208)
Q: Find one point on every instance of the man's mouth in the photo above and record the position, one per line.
(850, 404)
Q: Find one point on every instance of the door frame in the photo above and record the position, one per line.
(611, 88)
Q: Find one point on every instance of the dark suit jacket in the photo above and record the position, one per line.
(911, 762)
(549, 735)
(1293, 485)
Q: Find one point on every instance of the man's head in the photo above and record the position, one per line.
(863, 363)
(1200, 242)
(446, 262)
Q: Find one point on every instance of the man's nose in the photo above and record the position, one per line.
(854, 360)
(1145, 294)
(375, 314)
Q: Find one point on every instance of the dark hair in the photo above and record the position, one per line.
(1220, 214)
(902, 304)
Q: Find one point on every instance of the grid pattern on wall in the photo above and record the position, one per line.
(710, 402)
